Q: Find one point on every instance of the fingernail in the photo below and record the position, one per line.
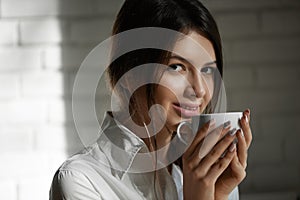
(226, 124)
(232, 132)
(223, 154)
(246, 118)
(232, 147)
(212, 121)
(248, 111)
(242, 133)
(235, 141)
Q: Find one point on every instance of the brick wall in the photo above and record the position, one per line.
(43, 42)
(262, 72)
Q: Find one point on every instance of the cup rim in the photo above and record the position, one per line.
(227, 113)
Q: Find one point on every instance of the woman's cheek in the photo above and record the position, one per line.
(176, 84)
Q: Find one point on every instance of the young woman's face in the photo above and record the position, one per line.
(187, 84)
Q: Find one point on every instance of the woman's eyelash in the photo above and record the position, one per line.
(208, 70)
(176, 67)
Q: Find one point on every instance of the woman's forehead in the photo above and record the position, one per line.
(194, 48)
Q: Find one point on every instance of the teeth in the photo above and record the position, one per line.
(189, 108)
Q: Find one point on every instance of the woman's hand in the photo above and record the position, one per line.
(201, 171)
(235, 173)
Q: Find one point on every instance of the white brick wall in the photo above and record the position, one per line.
(43, 84)
(91, 30)
(9, 86)
(25, 111)
(16, 140)
(43, 42)
(28, 188)
(37, 8)
(8, 190)
(23, 165)
(19, 59)
(8, 32)
(60, 111)
(41, 31)
(64, 58)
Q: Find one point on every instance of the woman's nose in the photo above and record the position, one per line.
(196, 87)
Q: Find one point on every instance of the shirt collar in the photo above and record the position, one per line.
(119, 145)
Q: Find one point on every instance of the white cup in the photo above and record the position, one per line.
(220, 118)
(187, 131)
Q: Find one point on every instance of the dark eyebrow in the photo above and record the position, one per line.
(210, 63)
(190, 62)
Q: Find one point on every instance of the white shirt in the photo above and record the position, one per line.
(93, 173)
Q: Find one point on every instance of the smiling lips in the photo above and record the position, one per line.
(187, 110)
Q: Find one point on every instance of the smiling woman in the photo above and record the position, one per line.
(192, 67)
(182, 83)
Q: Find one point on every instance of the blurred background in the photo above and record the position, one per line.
(43, 42)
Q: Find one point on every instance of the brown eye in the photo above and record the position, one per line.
(176, 67)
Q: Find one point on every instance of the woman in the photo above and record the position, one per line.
(181, 83)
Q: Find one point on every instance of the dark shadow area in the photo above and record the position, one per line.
(85, 30)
